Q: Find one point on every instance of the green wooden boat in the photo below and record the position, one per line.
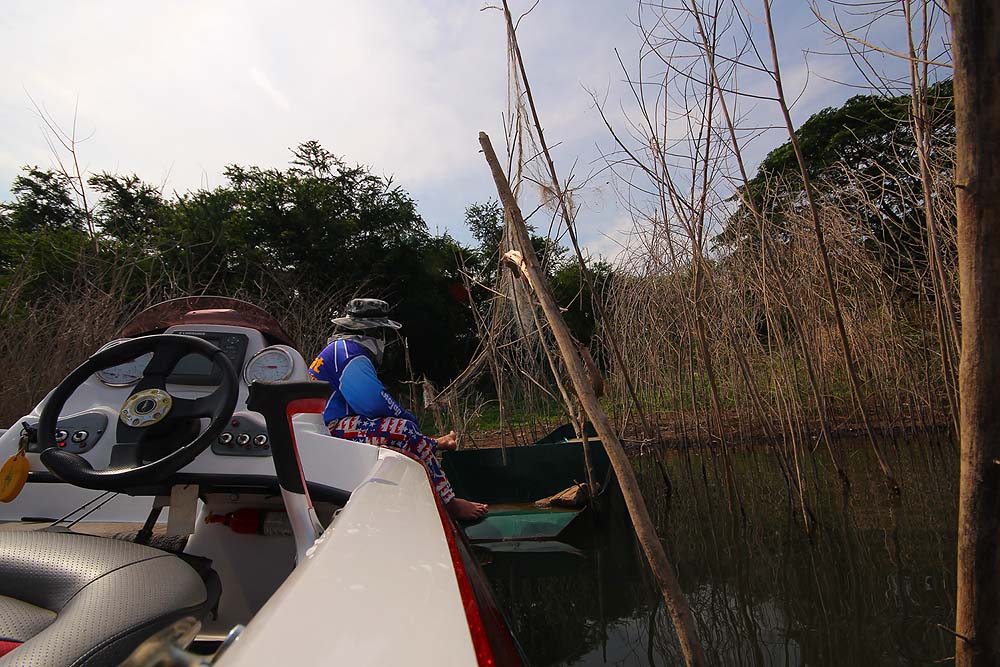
(529, 473)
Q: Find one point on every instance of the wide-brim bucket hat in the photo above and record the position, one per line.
(361, 314)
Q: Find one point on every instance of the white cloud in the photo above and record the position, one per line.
(262, 82)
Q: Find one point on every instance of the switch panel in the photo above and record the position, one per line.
(77, 434)
(244, 435)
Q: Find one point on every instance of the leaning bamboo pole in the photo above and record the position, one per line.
(569, 219)
(975, 26)
(527, 262)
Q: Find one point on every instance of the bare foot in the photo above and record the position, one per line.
(464, 510)
(448, 441)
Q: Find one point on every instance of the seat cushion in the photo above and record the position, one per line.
(20, 621)
(82, 601)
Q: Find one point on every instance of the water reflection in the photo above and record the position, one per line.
(873, 585)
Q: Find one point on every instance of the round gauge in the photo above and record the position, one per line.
(126, 373)
(272, 364)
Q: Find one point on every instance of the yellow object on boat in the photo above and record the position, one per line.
(13, 476)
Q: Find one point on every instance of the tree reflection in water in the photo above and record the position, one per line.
(873, 586)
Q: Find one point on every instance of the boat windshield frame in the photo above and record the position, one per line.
(206, 310)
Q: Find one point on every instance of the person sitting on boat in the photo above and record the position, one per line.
(360, 408)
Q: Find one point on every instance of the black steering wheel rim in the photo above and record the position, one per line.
(74, 469)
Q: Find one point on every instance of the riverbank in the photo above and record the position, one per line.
(684, 430)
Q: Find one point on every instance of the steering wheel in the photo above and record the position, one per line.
(149, 404)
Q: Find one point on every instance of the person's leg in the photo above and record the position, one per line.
(353, 428)
(425, 449)
(403, 435)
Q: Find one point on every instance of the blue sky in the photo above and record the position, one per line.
(175, 91)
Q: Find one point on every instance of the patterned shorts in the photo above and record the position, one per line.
(399, 434)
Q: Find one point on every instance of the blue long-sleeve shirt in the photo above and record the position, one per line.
(354, 385)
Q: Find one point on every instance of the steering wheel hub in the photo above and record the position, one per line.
(145, 408)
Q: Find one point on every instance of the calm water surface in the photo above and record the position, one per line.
(872, 586)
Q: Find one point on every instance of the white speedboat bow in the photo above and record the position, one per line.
(279, 544)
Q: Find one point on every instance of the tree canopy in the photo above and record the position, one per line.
(313, 234)
(864, 149)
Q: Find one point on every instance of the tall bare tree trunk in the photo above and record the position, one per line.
(768, 255)
(677, 604)
(976, 25)
(852, 371)
(922, 123)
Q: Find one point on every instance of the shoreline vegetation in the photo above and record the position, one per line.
(671, 432)
(776, 367)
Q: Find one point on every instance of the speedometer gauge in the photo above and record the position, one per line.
(126, 373)
(272, 364)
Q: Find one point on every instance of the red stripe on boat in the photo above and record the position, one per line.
(477, 628)
(7, 645)
(480, 642)
(300, 406)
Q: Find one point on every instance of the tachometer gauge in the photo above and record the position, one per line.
(126, 373)
(272, 364)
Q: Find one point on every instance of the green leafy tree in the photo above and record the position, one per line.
(43, 200)
(42, 233)
(316, 228)
(866, 142)
(128, 211)
(485, 221)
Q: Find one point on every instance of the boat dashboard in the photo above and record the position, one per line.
(90, 415)
(239, 457)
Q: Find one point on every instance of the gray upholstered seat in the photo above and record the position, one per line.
(69, 600)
